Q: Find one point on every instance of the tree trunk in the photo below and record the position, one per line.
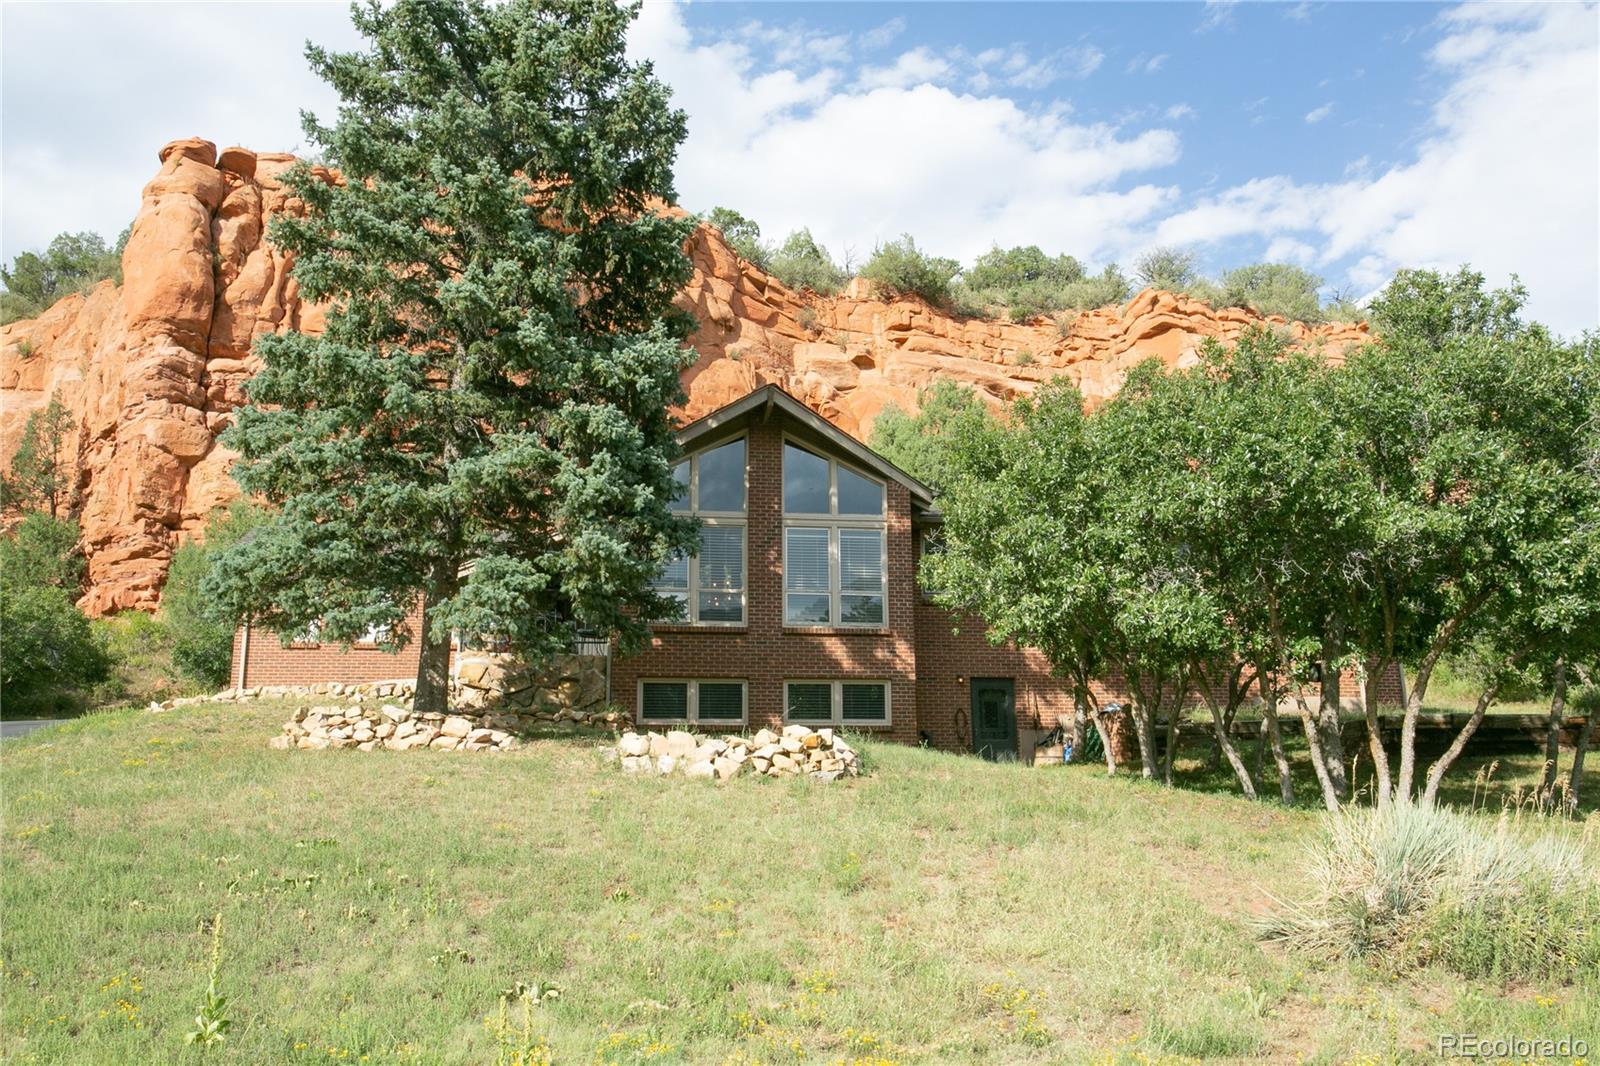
(433, 658)
(1436, 772)
(1552, 732)
(1105, 745)
(1382, 784)
(1328, 720)
(1308, 718)
(1174, 725)
(1585, 738)
(1274, 730)
(1144, 732)
(1080, 712)
(1419, 691)
(1261, 750)
(1228, 750)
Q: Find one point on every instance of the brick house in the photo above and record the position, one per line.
(801, 606)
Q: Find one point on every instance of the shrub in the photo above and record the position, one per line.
(1102, 289)
(1411, 885)
(742, 235)
(138, 650)
(1005, 269)
(73, 262)
(901, 268)
(202, 637)
(921, 444)
(1273, 289)
(42, 552)
(1171, 269)
(802, 263)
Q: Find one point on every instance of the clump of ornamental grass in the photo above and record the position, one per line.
(1516, 895)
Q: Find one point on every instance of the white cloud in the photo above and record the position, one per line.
(79, 146)
(1504, 179)
(901, 149)
(924, 141)
(1217, 14)
(1143, 64)
(1317, 114)
(882, 34)
(1300, 12)
(915, 67)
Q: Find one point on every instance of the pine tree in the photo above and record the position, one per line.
(45, 466)
(484, 422)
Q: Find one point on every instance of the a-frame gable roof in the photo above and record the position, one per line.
(760, 404)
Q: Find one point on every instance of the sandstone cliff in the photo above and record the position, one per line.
(151, 370)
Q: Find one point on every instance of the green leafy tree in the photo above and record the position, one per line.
(1475, 435)
(1273, 289)
(1023, 280)
(1108, 287)
(900, 268)
(1171, 269)
(742, 235)
(72, 262)
(1007, 269)
(801, 263)
(493, 383)
(44, 469)
(49, 652)
(922, 444)
(201, 631)
(1024, 508)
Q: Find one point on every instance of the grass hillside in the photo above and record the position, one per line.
(375, 906)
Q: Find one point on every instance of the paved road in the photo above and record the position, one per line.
(18, 728)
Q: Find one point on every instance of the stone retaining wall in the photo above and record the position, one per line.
(820, 754)
(568, 688)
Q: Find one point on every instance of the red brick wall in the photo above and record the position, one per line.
(764, 652)
(272, 662)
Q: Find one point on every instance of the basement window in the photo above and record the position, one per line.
(836, 703)
(687, 702)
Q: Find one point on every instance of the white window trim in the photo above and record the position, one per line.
(694, 700)
(716, 518)
(836, 577)
(838, 721)
(833, 523)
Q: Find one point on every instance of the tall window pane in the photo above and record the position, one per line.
(810, 702)
(721, 573)
(673, 582)
(806, 577)
(805, 482)
(861, 577)
(859, 495)
(722, 478)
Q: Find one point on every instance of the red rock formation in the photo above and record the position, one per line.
(152, 370)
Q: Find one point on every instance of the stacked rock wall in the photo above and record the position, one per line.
(820, 754)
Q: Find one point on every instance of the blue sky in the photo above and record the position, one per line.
(1351, 138)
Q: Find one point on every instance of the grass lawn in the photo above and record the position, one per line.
(943, 909)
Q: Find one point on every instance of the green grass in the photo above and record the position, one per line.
(940, 910)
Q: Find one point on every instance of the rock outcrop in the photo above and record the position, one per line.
(151, 370)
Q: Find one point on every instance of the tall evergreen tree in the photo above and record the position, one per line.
(46, 464)
(501, 350)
